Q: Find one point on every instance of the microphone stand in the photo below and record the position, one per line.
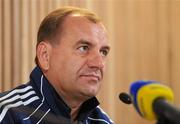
(165, 112)
(163, 120)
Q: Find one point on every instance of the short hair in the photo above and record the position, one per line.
(52, 23)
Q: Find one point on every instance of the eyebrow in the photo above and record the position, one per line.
(86, 42)
(106, 47)
(82, 41)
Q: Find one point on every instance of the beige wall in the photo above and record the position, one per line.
(144, 35)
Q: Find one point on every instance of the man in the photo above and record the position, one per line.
(71, 53)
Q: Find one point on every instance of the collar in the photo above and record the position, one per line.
(54, 101)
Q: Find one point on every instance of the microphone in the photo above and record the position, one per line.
(125, 98)
(153, 100)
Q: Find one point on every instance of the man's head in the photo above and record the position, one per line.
(72, 50)
(50, 27)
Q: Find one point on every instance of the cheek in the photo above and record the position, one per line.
(71, 67)
(67, 65)
(58, 65)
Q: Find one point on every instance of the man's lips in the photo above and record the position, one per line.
(91, 76)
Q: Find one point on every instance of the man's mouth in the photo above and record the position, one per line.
(91, 77)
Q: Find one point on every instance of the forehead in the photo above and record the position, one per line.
(77, 25)
(80, 20)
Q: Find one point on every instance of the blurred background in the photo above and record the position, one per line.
(144, 37)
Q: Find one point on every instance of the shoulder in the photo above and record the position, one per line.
(20, 96)
(99, 116)
(20, 93)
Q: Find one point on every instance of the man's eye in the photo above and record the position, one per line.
(104, 52)
(83, 48)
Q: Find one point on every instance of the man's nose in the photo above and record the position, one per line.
(96, 60)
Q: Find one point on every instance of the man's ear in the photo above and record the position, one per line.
(43, 52)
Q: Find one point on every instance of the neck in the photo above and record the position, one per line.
(74, 104)
(72, 101)
(74, 113)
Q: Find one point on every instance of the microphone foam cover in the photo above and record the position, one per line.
(146, 93)
(134, 88)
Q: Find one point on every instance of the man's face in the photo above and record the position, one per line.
(77, 63)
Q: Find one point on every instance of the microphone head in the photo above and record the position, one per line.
(144, 93)
(125, 98)
(134, 88)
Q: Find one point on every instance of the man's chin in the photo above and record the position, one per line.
(90, 93)
(89, 89)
